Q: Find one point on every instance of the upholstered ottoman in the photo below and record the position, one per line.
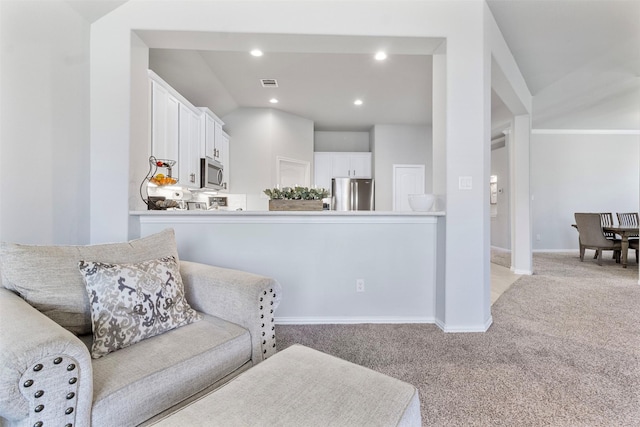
(303, 387)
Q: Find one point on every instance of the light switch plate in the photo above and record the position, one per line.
(465, 183)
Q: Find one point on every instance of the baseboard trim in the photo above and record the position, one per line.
(349, 320)
(521, 272)
(461, 329)
(585, 132)
(499, 249)
(573, 250)
(380, 320)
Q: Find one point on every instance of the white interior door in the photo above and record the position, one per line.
(407, 179)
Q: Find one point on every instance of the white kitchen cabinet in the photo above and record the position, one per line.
(213, 135)
(175, 131)
(190, 146)
(208, 134)
(219, 143)
(224, 159)
(322, 172)
(351, 165)
(359, 165)
(165, 124)
(329, 165)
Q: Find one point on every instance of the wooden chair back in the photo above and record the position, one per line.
(628, 219)
(606, 220)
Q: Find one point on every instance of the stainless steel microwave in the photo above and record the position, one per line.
(211, 174)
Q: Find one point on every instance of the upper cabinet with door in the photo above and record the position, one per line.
(190, 147)
(213, 135)
(224, 159)
(329, 165)
(164, 123)
(351, 165)
(175, 131)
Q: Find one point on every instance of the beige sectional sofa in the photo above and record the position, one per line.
(48, 375)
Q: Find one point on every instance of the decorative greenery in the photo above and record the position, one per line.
(296, 193)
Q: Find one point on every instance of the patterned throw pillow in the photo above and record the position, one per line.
(47, 277)
(131, 302)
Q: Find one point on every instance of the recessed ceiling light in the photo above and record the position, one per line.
(381, 56)
(256, 52)
(357, 102)
(273, 101)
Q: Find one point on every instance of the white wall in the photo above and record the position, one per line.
(341, 141)
(399, 144)
(471, 39)
(44, 140)
(258, 137)
(580, 173)
(395, 256)
(500, 223)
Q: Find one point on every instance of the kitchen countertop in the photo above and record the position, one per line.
(282, 213)
(171, 218)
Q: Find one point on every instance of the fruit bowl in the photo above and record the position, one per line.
(162, 180)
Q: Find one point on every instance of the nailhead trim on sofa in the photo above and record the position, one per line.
(46, 408)
(268, 324)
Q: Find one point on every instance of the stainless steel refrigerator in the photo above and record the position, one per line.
(352, 194)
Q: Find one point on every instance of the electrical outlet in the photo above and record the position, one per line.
(359, 285)
(538, 237)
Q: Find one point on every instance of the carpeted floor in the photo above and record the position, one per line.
(563, 350)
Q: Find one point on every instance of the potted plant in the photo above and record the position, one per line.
(296, 198)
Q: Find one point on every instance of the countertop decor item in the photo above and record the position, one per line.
(421, 202)
(296, 193)
(296, 198)
(158, 179)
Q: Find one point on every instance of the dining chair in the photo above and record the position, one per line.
(606, 219)
(591, 236)
(628, 219)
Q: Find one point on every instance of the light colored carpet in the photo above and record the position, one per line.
(563, 350)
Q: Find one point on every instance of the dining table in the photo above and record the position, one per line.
(624, 233)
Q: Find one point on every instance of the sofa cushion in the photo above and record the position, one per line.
(134, 384)
(132, 302)
(47, 277)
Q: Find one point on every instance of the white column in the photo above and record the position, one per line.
(519, 143)
(468, 151)
(439, 169)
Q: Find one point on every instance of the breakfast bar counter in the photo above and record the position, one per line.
(334, 266)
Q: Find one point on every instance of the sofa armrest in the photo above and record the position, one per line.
(246, 299)
(44, 369)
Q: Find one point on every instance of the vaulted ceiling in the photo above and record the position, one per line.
(579, 58)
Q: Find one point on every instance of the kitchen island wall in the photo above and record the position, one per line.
(319, 256)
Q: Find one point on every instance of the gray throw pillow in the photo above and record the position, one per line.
(47, 277)
(132, 302)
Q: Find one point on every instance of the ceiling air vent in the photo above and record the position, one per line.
(269, 82)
